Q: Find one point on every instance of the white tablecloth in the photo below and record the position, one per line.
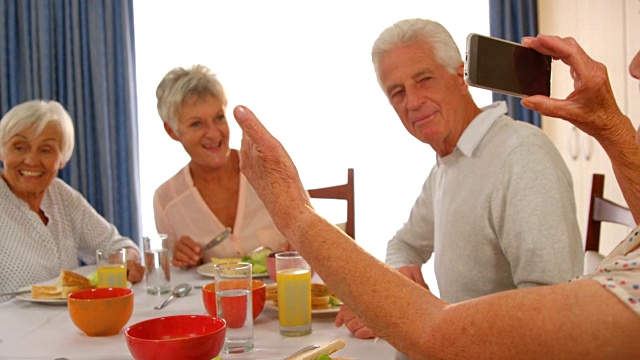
(39, 331)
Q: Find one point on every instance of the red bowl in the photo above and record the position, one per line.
(258, 298)
(271, 265)
(176, 337)
(101, 311)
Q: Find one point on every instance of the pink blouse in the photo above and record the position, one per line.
(179, 210)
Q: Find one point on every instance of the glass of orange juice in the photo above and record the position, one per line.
(112, 267)
(293, 276)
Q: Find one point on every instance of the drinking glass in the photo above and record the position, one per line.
(293, 276)
(112, 267)
(234, 305)
(157, 264)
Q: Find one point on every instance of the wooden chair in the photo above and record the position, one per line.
(601, 210)
(341, 192)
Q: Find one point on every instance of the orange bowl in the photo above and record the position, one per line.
(258, 297)
(176, 337)
(101, 311)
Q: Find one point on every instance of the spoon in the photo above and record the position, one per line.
(180, 290)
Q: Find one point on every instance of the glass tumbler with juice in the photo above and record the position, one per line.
(293, 276)
(112, 268)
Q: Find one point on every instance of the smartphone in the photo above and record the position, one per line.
(506, 67)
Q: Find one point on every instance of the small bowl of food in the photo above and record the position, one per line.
(258, 298)
(101, 311)
(176, 337)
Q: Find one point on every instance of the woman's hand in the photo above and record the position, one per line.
(591, 105)
(186, 253)
(352, 323)
(135, 270)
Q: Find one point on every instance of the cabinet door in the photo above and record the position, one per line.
(632, 13)
(599, 28)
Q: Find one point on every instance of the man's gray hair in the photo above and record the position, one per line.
(411, 31)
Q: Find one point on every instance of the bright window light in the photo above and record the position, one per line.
(305, 69)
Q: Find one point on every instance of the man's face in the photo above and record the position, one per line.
(427, 98)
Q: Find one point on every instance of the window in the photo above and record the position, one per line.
(305, 69)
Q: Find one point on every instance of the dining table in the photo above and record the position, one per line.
(35, 330)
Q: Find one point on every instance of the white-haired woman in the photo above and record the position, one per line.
(45, 225)
(209, 194)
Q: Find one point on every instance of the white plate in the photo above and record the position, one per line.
(207, 270)
(334, 310)
(85, 270)
(27, 297)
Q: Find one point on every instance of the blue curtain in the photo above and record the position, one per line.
(81, 53)
(512, 20)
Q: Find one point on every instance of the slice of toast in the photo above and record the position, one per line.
(272, 292)
(327, 349)
(68, 282)
(70, 278)
(66, 290)
(46, 292)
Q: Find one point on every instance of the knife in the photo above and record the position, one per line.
(216, 240)
(13, 293)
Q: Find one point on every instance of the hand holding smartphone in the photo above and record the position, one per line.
(506, 67)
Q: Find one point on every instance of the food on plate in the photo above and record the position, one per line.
(272, 292)
(259, 261)
(321, 297)
(327, 357)
(68, 282)
(216, 261)
(323, 352)
(93, 278)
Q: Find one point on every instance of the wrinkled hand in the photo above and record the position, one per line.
(353, 324)
(270, 170)
(414, 273)
(186, 253)
(591, 106)
(135, 270)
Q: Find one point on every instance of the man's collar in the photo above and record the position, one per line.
(479, 127)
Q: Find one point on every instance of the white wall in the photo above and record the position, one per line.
(304, 68)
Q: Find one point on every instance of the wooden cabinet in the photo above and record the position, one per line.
(606, 29)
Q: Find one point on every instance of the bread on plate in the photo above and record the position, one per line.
(326, 349)
(321, 298)
(68, 282)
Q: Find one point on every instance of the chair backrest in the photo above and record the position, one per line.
(603, 210)
(341, 192)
